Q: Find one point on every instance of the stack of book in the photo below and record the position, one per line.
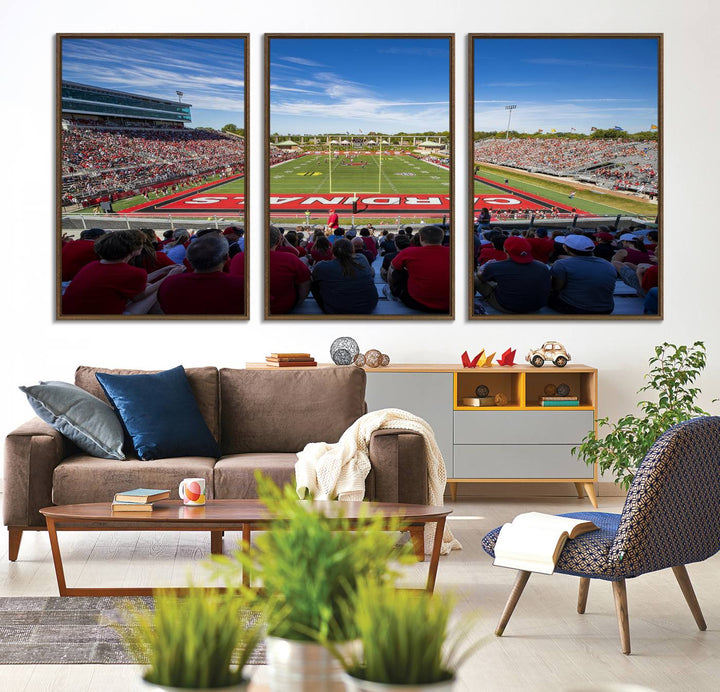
(138, 500)
(559, 401)
(290, 360)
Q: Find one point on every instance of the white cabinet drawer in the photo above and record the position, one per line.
(519, 461)
(522, 427)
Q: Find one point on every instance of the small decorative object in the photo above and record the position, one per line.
(550, 390)
(482, 390)
(487, 401)
(500, 399)
(470, 401)
(508, 357)
(468, 363)
(373, 358)
(562, 389)
(552, 351)
(385, 360)
(343, 350)
(488, 361)
(359, 360)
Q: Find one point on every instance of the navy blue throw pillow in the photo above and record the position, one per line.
(160, 413)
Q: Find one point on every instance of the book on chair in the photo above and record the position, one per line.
(533, 541)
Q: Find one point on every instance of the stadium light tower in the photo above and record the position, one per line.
(509, 109)
(180, 94)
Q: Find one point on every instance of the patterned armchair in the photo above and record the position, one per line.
(671, 518)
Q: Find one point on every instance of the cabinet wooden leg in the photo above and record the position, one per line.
(14, 538)
(684, 580)
(583, 594)
(621, 608)
(417, 536)
(590, 490)
(453, 491)
(580, 490)
(520, 581)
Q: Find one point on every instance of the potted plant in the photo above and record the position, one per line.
(673, 372)
(196, 641)
(405, 641)
(310, 565)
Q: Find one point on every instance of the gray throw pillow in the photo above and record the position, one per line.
(83, 418)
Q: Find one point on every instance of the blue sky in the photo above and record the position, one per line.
(565, 83)
(210, 72)
(338, 85)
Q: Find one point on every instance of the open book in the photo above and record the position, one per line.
(533, 541)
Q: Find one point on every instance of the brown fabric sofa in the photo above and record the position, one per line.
(260, 418)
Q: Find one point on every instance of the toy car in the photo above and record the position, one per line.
(551, 350)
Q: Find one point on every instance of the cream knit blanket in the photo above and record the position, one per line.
(329, 471)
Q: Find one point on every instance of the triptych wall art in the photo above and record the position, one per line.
(560, 216)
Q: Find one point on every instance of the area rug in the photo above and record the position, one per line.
(70, 630)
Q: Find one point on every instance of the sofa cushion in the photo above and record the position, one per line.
(83, 418)
(281, 411)
(203, 382)
(235, 475)
(80, 479)
(160, 413)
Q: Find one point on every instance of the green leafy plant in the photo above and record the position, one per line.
(405, 638)
(310, 561)
(673, 372)
(198, 640)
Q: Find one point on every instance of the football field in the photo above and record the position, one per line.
(361, 174)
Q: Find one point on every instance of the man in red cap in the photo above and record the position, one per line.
(333, 220)
(519, 284)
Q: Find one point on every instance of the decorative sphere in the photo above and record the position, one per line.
(373, 358)
(500, 399)
(342, 357)
(359, 360)
(482, 391)
(563, 389)
(385, 360)
(346, 344)
(550, 390)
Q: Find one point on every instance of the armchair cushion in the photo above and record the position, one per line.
(584, 556)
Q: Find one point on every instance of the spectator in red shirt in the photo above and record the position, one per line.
(149, 258)
(370, 243)
(333, 220)
(106, 286)
(289, 277)
(77, 253)
(321, 250)
(207, 290)
(541, 246)
(494, 251)
(420, 276)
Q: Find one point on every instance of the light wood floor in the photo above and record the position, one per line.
(547, 646)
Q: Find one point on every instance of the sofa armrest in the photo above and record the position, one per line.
(399, 472)
(32, 452)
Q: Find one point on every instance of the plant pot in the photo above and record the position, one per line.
(239, 687)
(357, 685)
(295, 666)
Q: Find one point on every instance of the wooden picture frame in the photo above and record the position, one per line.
(344, 95)
(126, 159)
(544, 110)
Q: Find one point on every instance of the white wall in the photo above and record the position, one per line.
(35, 346)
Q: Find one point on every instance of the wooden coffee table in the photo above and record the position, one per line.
(218, 516)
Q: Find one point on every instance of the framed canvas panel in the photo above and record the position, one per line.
(152, 176)
(359, 160)
(565, 176)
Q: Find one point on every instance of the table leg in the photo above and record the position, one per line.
(246, 547)
(435, 557)
(57, 558)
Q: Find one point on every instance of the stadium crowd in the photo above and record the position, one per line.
(132, 272)
(614, 164)
(344, 270)
(100, 160)
(570, 271)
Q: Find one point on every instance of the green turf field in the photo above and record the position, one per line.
(586, 200)
(397, 174)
